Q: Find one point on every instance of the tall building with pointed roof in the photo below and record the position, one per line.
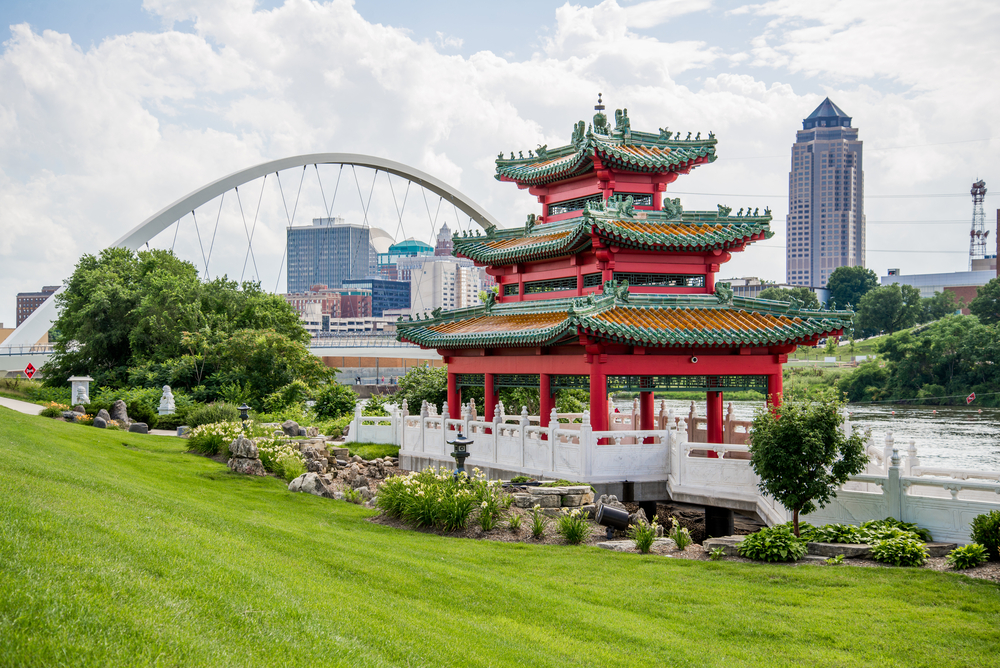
(826, 214)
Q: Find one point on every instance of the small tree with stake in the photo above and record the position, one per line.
(800, 453)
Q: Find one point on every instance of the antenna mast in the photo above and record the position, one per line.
(979, 233)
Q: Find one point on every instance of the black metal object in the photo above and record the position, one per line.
(718, 522)
(244, 414)
(461, 452)
(612, 518)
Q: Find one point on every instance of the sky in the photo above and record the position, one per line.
(111, 110)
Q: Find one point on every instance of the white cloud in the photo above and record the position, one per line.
(94, 141)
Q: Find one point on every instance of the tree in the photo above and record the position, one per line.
(986, 305)
(800, 453)
(334, 401)
(847, 285)
(888, 309)
(423, 383)
(804, 295)
(124, 314)
(938, 306)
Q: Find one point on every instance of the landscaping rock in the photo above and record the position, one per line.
(366, 493)
(316, 465)
(312, 432)
(610, 500)
(521, 500)
(545, 501)
(119, 412)
(100, 423)
(312, 483)
(590, 509)
(340, 453)
(69, 415)
(103, 414)
(629, 545)
(727, 543)
(243, 448)
(357, 459)
(182, 430)
(638, 516)
(247, 466)
(79, 409)
(301, 432)
(139, 428)
(290, 428)
(572, 500)
(849, 550)
(360, 482)
(939, 549)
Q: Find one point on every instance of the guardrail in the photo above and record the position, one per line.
(379, 341)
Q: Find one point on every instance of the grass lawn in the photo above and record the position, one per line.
(121, 549)
(372, 450)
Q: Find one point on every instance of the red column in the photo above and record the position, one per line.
(714, 414)
(490, 402)
(646, 414)
(544, 398)
(774, 388)
(454, 398)
(598, 398)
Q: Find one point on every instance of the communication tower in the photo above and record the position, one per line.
(979, 233)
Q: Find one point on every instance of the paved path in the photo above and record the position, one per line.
(20, 406)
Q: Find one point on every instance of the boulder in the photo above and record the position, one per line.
(572, 500)
(182, 430)
(360, 482)
(366, 493)
(247, 466)
(79, 409)
(302, 431)
(69, 415)
(119, 413)
(243, 448)
(609, 500)
(290, 428)
(638, 516)
(103, 414)
(316, 465)
(100, 423)
(312, 483)
(357, 459)
(312, 432)
(729, 544)
(139, 428)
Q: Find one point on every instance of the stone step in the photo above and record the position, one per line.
(939, 549)
(727, 543)
(849, 550)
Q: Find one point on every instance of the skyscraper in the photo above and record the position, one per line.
(826, 214)
(328, 252)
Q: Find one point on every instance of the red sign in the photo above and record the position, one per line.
(29, 371)
(969, 399)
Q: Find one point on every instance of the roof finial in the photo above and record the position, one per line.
(600, 105)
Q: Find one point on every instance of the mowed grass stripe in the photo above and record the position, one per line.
(120, 549)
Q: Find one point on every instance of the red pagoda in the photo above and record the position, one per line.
(612, 287)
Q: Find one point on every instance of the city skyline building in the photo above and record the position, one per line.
(826, 220)
(328, 252)
(27, 302)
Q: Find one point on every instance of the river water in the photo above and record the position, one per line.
(945, 436)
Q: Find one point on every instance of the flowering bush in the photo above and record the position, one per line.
(214, 438)
(280, 457)
(435, 497)
(54, 410)
(574, 527)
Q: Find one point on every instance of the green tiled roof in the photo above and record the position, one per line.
(617, 223)
(648, 320)
(619, 148)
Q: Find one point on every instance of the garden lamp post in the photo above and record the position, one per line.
(244, 415)
(461, 444)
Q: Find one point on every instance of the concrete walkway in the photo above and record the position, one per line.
(20, 406)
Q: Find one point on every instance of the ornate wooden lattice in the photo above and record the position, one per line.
(470, 380)
(553, 285)
(569, 382)
(662, 280)
(510, 289)
(687, 383)
(591, 280)
(515, 380)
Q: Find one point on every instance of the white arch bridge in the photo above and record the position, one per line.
(21, 346)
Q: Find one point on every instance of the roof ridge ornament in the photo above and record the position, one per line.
(724, 293)
(724, 210)
(672, 207)
(616, 205)
(617, 289)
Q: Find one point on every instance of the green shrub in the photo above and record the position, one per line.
(334, 401)
(353, 496)
(986, 532)
(716, 553)
(776, 543)
(643, 534)
(375, 406)
(292, 467)
(834, 533)
(835, 561)
(280, 457)
(294, 394)
(171, 421)
(521, 478)
(574, 527)
(900, 551)
(54, 410)
(493, 502)
(875, 530)
(143, 413)
(212, 414)
(967, 556)
(514, 522)
(214, 438)
(336, 428)
(680, 535)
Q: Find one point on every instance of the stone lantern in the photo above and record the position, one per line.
(461, 452)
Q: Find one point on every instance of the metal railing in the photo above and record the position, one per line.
(356, 341)
(10, 351)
